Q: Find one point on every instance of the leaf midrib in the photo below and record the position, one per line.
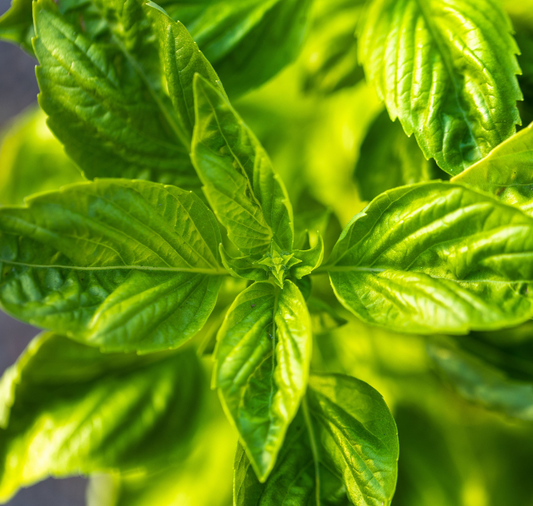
(212, 272)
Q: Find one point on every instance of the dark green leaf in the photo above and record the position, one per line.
(436, 257)
(481, 382)
(262, 362)
(447, 70)
(32, 160)
(246, 194)
(124, 265)
(247, 41)
(68, 409)
(16, 24)
(388, 158)
(103, 105)
(507, 172)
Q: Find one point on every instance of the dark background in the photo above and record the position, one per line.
(18, 89)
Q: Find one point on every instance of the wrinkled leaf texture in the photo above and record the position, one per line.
(123, 265)
(447, 69)
(436, 257)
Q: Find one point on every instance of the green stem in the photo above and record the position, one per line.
(314, 446)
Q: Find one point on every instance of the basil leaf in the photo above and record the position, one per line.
(123, 265)
(246, 194)
(248, 42)
(436, 257)
(330, 61)
(66, 409)
(261, 369)
(507, 172)
(345, 446)
(293, 480)
(358, 435)
(32, 160)
(181, 60)
(103, 105)
(481, 382)
(448, 71)
(388, 158)
(16, 25)
(324, 318)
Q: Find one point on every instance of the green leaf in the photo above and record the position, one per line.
(293, 480)
(16, 24)
(181, 60)
(123, 265)
(262, 362)
(247, 41)
(310, 259)
(447, 71)
(104, 106)
(481, 382)
(436, 257)
(330, 60)
(32, 160)
(246, 194)
(324, 318)
(346, 438)
(388, 159)
(507, 172)
(358, 435)
(67, 409)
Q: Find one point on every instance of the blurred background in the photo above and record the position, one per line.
(18, 90)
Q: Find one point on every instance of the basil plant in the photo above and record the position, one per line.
(146, 230)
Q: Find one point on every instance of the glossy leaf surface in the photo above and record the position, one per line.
(388, 158)
(446, 69)
(436, 257)
(262, 362)
(507, 172)
(66, 408)
(348, 441)
(246, 194)
(123, 265)
(104, 106)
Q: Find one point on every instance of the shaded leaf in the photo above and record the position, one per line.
(388, 159)
(330, 60)
(262, 362)
(436, 257)
(67, 409)
(447, 70)
(247, 41)
(32, 160)
(481, 382)
(246, 194)
(124, 265)
(507, 172)
(16, 25)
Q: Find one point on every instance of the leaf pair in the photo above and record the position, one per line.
(342, 450)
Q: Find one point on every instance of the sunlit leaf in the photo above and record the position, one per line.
(447, 69)
(124, 265)
(262, 362)
(436, 257)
